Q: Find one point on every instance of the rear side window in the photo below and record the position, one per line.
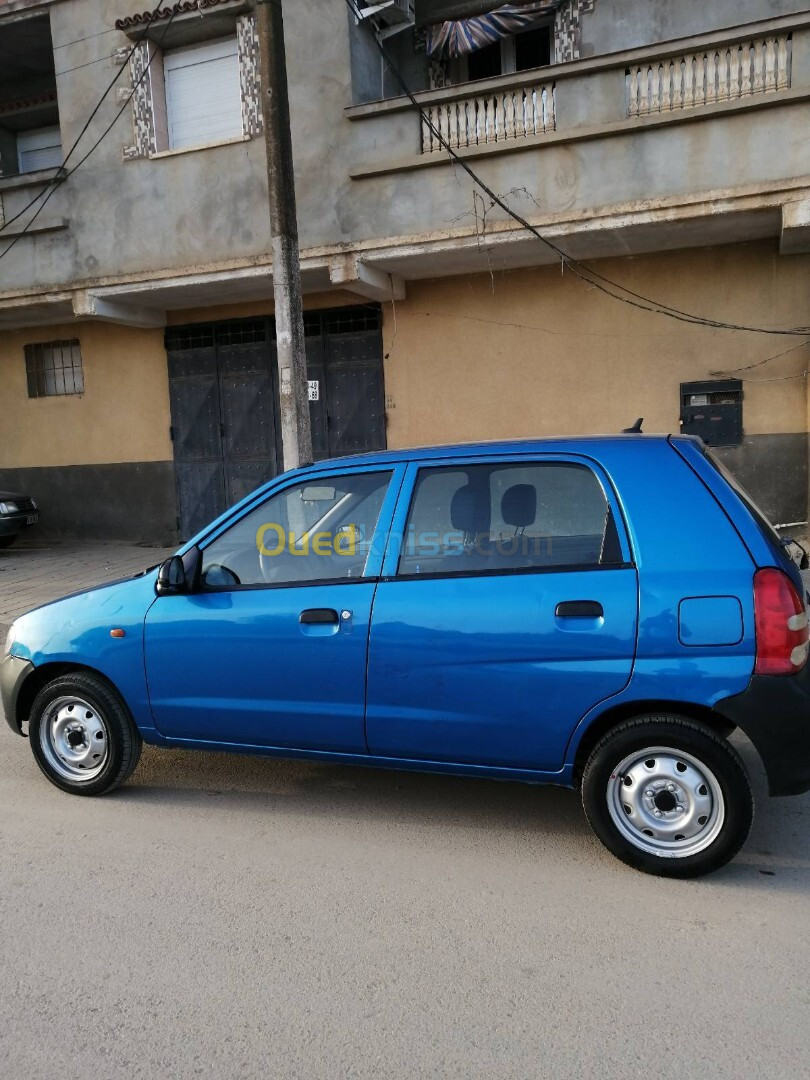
(756, 512)
(499, 517)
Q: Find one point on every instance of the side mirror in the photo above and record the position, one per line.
(171, 577)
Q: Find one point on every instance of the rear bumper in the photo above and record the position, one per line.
(774, 712)
(13, 672)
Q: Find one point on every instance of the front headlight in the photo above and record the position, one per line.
(9, 508)
(9, 640)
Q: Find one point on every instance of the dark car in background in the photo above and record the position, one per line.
(17, 513)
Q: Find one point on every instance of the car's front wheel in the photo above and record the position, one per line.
(668, 796)
(82, 735)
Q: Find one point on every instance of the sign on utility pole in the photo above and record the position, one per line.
(296, 435)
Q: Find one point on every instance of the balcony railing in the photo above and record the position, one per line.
(727, 73)
(495, 117)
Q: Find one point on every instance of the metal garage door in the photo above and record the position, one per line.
(224, 402)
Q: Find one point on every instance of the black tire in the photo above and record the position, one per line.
(7, 541)
(726, 826)
(118, 739)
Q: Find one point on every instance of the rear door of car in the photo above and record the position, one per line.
(506, 610)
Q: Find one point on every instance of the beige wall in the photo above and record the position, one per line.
(531, 352)
(123, 414)
(537, 352)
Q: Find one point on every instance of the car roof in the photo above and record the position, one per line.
(576, 444)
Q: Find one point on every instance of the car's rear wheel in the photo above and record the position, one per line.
(7, 541)
(668, 796)
(82, 735)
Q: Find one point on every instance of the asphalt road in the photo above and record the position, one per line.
(240, 917)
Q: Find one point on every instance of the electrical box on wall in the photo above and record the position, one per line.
(713, 410)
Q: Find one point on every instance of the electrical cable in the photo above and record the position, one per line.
(582, 270)
(759, 363)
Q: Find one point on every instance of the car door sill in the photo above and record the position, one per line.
(562, 777)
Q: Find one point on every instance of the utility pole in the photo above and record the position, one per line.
(296, 434)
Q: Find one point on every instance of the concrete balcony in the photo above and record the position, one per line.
(684, 143)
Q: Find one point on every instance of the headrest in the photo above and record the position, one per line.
(469, 510)
(519, 505)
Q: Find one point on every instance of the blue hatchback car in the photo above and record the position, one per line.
(597, 612)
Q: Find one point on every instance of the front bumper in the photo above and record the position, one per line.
(774, 712)
(13, 672)
(11, 524)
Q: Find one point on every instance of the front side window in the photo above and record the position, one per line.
(318, 530)
(203, 102)
(504, 516)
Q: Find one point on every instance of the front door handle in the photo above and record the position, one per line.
(318, 616)
(579, 609)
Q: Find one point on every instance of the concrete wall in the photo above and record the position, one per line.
(197, 210)
(613, 25)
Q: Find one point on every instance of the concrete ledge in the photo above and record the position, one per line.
(627, 126)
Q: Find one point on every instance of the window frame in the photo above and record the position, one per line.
(377, 547)
(401, 516)
(33, 376)
(508, 52)
(39, 134)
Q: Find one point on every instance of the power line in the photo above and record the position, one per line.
(54, 183)
(582, 270)
(78, 67)
(98, 141)
(88, 37)
(767, 360)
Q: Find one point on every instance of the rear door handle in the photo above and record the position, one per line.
(318, 615)
(579, 609)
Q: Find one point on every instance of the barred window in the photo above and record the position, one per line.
(54, 368)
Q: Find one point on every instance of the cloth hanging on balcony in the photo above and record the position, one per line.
(460, 36)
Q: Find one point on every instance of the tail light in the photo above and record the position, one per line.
(783, 636)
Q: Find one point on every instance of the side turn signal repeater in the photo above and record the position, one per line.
(117, 632)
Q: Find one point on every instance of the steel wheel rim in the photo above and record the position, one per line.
(74, 739)
(666, 802)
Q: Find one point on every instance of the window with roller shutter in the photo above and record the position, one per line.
(203, 103)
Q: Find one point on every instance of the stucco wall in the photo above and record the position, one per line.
(534, 353)
(200, 209)
(613, 25)
(123, 414)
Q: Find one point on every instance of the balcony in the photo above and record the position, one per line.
(734, 72)
(677, 144)
(511, 112)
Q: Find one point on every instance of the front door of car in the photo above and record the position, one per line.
(507, 610)
(270, 648)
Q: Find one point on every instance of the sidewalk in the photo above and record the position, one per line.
(36, 572)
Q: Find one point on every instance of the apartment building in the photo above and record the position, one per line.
(660, 147)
